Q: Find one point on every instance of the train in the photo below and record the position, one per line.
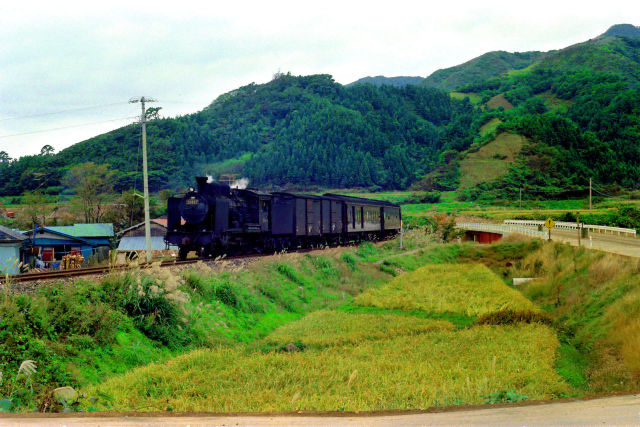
(214, 219)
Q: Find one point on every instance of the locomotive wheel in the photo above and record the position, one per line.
(182, 253)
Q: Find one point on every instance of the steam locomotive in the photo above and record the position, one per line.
(214, 219)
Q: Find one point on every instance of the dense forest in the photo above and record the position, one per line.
(578, 107)
(302, 130)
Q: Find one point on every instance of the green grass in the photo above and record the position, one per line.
(81, 333)
(490, 126)
(473, 97)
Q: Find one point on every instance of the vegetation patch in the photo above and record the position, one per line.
(499, 101)
(406, 372)
(491, 161)
(470, 289)
(330, 328)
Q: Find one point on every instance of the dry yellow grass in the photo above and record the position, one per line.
(410, 372)
(329, 328)
(491, 160)
(499, 101)
(469, 289)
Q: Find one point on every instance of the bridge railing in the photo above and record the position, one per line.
(574, 226)
(501, 229)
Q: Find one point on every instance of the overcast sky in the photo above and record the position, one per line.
(67, 69)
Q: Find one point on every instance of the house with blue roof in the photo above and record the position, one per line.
(52, 243)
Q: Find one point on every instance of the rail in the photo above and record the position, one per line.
(501, 229)
(602, 229)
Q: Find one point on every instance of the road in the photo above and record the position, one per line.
(605, 242)
(618, 410)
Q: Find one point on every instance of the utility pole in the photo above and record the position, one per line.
(145, 174)
(520, 197)
(590, 193)
(579, 228)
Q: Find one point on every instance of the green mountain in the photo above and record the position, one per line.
(301, 130)
(391, 81)
(623, 30)
(579, 110)
(492, 64)
(547, 121)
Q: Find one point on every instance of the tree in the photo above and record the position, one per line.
(93, 184)
(47, 150)
(37, 209)
(4, 157)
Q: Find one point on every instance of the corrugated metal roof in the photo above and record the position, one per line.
(138, 243)
(8, 235)
(85, 230)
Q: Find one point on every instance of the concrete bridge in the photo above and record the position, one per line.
(488, 233)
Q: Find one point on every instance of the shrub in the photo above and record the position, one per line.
(349, 259)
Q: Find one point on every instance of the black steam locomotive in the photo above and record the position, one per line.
(215, 219)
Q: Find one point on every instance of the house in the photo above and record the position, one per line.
(132, 240)
(52, 243)
(11, 243)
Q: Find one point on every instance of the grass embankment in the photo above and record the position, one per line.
(366, 358)
(81, 333)
(594, 299)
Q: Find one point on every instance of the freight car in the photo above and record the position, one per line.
(214, 219)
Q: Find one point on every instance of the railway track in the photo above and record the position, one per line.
(63, 274)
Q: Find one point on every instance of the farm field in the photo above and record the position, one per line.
(355, 361)
(468, 289)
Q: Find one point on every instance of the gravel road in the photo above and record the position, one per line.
(618, 410)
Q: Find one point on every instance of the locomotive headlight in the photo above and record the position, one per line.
(194, 208)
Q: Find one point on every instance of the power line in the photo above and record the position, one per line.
(66, 127)
(62, 111)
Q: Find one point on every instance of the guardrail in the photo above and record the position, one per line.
(501, 229)
(603, 229)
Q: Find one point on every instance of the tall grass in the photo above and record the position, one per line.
(469, 289)
(593, 299)
(329, 328)
(405, 372)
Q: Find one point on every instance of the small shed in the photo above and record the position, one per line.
(11, 243)
(133, 241)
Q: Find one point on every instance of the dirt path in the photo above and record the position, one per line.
(618, 410)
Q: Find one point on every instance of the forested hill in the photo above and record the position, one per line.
(577, 108)
(306, 130)
(491, 64)
(391, 81)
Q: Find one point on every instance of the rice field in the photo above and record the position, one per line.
(406, 372)
(468, 289)
(360, 361)
(326, 328)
